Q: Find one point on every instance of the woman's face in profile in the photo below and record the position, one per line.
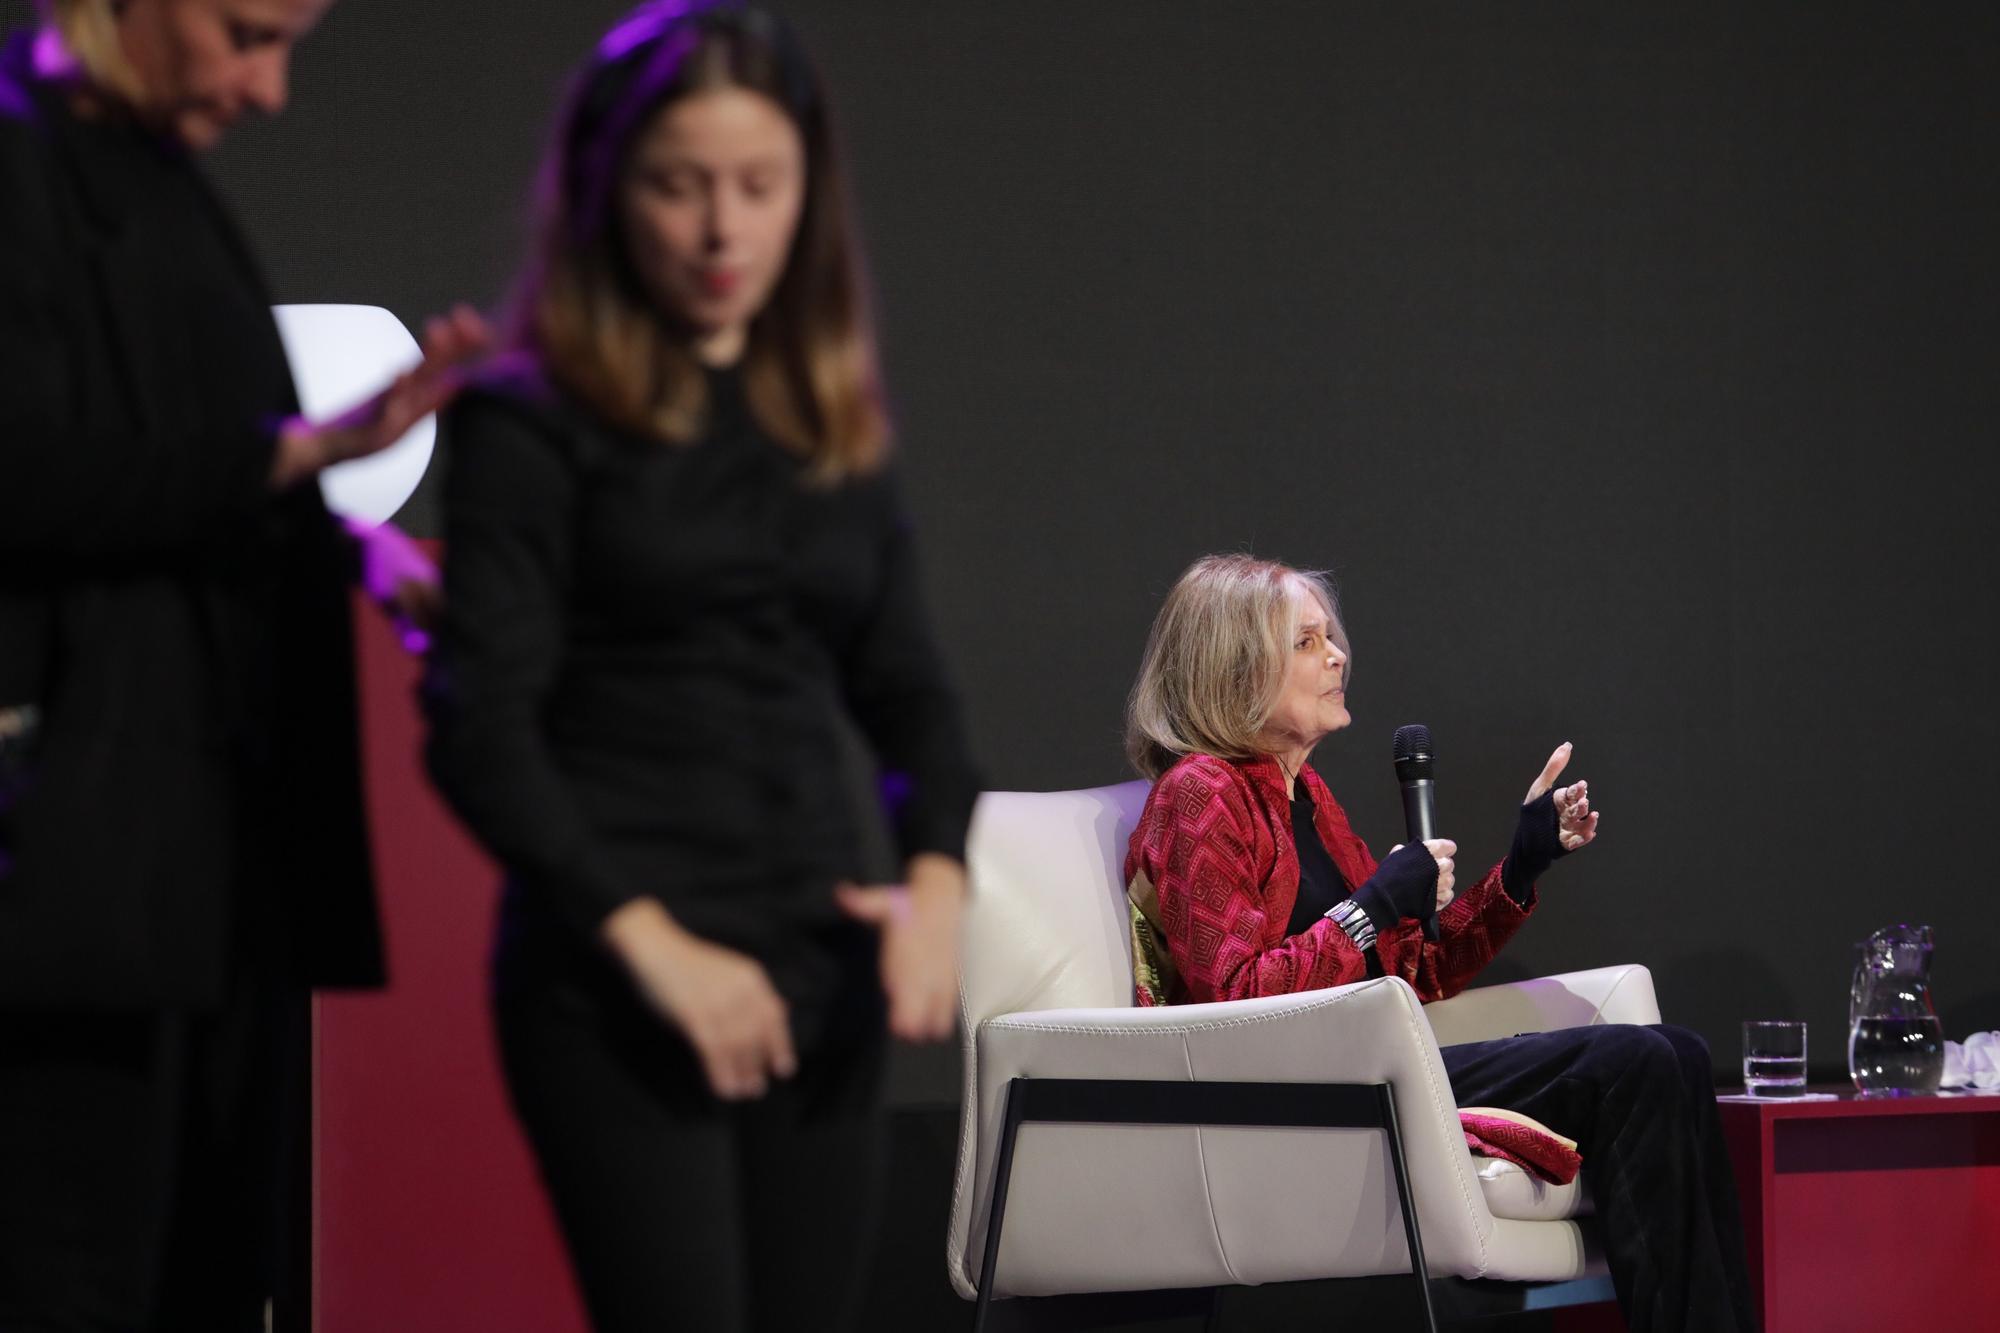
(710, 202)
(204, 63)
(1313, 701)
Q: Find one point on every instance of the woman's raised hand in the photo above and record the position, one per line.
(451, 342)
(721, 1000)
(1576, 822)
(919, 926)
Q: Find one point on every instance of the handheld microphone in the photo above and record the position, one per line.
(1415, 763)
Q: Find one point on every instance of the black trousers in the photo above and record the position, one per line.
(1640, 1102)
(147, 1163)
(680, 1211)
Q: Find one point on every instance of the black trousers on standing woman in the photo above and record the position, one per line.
(1640, 1102)
(681, 1211)
(148, 1166)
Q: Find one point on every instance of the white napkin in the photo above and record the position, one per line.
(1975, 1064)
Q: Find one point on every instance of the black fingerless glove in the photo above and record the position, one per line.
(1405, 884)
(1537, 846)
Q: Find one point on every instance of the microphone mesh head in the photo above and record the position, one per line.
(1414, 755)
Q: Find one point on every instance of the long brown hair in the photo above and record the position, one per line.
(809, 366)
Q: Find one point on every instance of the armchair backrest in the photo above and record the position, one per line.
(1047, 927)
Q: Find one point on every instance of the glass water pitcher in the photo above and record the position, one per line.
(1895, 1044)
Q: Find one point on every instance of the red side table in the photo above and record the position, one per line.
(1870, 1213)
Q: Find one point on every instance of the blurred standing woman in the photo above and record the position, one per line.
(673, 546)
(182, 850)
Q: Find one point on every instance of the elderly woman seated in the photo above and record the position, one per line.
(1246, 879)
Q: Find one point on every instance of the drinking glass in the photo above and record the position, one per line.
(1774, 1059)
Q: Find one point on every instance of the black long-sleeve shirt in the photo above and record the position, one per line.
(632, 690)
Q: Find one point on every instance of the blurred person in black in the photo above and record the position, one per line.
(182, 850)
(673, 547)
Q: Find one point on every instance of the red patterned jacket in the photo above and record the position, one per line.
(1213, 870)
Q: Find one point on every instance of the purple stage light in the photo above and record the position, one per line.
(896, 787)
(642, 25)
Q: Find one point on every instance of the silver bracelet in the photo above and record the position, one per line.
(1347, 914)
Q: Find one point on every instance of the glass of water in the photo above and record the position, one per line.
(1774, 1059)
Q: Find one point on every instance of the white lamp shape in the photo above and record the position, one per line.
(340, 354)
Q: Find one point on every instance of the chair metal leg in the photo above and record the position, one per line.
(1213, 1324)
(1419, 1269)
(1003, 1169)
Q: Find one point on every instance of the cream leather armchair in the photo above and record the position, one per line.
(1185, 1176)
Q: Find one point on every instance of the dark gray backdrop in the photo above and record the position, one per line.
(1630, 366)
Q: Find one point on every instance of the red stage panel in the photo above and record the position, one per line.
(429, 1214)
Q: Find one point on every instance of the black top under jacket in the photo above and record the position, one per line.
(1321, 884)
(191, 799)
(634, 688)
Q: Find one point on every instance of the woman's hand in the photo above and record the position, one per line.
(1576, 822)
(1411, 882)
(399, 578)
(1554, 822)
(720, 1000)
(1444, 852)
(919, 925)
(305, 448)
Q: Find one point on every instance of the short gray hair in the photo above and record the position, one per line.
(1215, 660)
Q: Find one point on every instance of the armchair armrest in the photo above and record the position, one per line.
(1126, 1207)
(1621, 994)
